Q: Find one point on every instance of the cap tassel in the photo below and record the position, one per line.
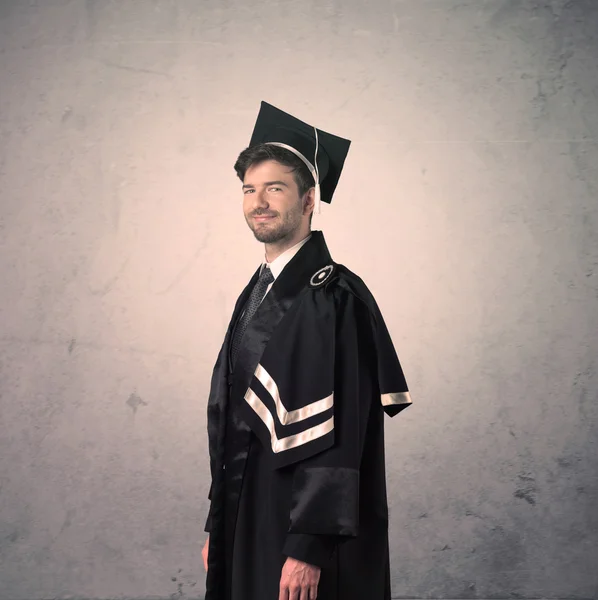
(317, 200)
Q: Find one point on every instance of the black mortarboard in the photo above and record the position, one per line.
(274, 126)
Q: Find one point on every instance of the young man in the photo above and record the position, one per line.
(298, 394)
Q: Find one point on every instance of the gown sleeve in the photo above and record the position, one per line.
(311, 398)
(325, 490)
(367, 378)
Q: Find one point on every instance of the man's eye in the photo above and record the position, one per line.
(247, 191)
(275, 189)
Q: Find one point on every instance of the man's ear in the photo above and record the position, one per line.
(309, 201)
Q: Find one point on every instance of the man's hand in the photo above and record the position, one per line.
(204, 553)
(298, 581)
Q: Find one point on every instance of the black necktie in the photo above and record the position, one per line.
(256, 296)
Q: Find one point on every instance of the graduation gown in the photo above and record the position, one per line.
(296, 437)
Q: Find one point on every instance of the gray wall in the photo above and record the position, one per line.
(468, 205)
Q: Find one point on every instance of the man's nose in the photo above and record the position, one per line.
(259, 199)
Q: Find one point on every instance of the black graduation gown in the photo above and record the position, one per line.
(296, 437)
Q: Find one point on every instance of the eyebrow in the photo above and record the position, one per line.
(249, 185)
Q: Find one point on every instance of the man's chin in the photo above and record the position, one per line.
(267, 237)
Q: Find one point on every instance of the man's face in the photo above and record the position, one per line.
(271, 203)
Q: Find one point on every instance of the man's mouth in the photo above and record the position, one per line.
(263, 218)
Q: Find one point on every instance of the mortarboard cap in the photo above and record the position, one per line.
(323, 153)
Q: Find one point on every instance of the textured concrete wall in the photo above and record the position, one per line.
(468, 204)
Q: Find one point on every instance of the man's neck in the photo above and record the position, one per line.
(273, 251)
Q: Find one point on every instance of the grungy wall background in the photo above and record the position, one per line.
(468, 205)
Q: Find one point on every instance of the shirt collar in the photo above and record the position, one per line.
(280, 262)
